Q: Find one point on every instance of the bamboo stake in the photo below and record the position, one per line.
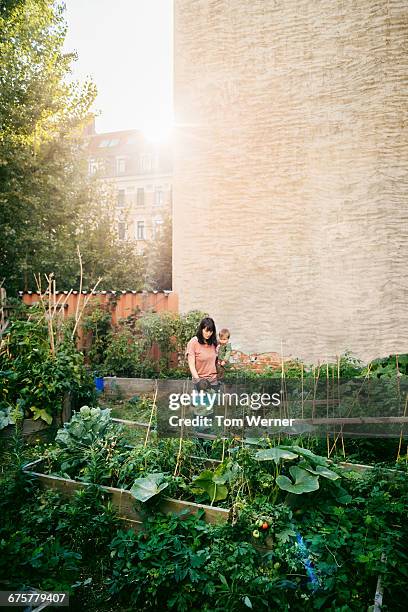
(338, 388)
(151, 415)
(401, 436)
(224, 436)
(315, 382)
(379, 591)
(327, 404)
(81, 274)
(86, 300)
(48, 316)
(333, 398)
(367, 377)
(284, 392)
(176, 469)
(49, 280)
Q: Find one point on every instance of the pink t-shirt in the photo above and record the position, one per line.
(204, 355)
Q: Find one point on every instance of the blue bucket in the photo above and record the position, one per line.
(99, 384)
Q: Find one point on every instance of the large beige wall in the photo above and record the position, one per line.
(290, 187)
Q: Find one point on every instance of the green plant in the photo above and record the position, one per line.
(52, 543)
(86, 445)
(97, 322)
(35, 377)
(159, 328)
(389, 367)
(6, 417)
(147, 487)
(213, 483)
(325, 549)
(123, 354)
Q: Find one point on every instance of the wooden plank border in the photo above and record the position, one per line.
(122, 500)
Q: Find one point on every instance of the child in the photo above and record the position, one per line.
(224, 352)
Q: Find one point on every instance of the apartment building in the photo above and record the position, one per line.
(139, 174)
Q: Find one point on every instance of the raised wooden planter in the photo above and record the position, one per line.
(31, 429)
(122, 500)
(124, 503)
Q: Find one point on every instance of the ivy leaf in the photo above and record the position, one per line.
(247, 602)
(304, 481)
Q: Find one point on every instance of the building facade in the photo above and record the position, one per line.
(138, 174)
(291, 176)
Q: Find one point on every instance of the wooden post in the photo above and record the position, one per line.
(66, 408)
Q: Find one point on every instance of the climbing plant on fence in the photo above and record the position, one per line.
(170, 331)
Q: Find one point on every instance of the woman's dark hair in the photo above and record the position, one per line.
(207, 323)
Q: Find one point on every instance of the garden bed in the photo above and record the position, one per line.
(125, 504)
(123, 501)
(32, 429)
(299, 513)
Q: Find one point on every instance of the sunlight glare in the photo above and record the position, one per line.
(157, 131)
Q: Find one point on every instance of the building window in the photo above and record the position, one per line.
(158, 196)
(140, 196)
(109, 143)
(93, 166)
(121, 230)
(146, 162)
(157, 228)
(140, 227)
(121, 198)
(120, 165)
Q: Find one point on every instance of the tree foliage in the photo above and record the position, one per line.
(48, 204)
(160, 258)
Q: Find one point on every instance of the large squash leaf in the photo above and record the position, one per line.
(212, 484)
(305, 452)
(275, 454)
(305, 482)
(320, 470)
(147, 487)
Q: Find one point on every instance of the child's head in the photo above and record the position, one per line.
(224, 336)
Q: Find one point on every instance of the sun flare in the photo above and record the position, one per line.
(157, 131)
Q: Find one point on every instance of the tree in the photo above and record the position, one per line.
(159, 272)
(104, 255)
(48, 204)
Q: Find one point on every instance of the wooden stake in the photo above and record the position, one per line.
(401, 437)
(176, 469)
(151, 415)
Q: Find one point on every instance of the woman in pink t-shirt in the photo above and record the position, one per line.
(201, 352)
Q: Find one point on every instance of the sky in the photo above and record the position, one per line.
(126, 47)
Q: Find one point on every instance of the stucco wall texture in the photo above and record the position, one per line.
(291, 179)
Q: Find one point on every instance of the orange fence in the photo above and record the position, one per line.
(125, 303)
(121, 303)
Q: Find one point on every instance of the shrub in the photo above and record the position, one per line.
(123, 354)
(35, 377)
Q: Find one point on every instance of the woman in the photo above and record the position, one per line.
(201, 352)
